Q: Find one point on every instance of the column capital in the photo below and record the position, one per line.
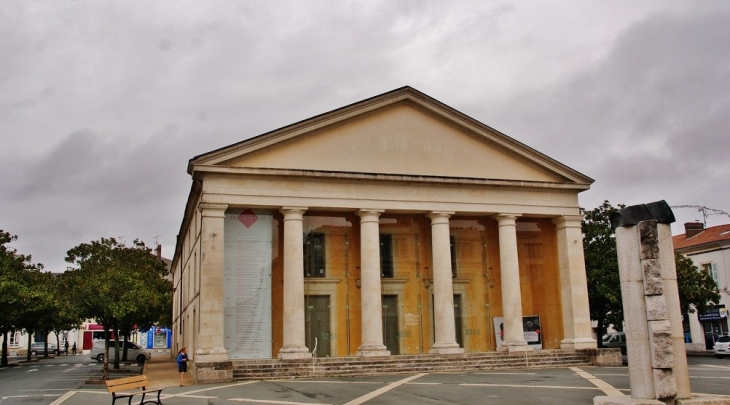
(506, 218)
(293, 212)
(439, 216)
(213, 210)
(568, 221)
(368, 215)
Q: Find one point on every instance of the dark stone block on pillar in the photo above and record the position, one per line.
(629, 216)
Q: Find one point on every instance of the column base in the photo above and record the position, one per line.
(215, 354)
(372, 351)
(291, 353)
(578, 343)
(446, 348)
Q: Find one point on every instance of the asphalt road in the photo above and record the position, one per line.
(62, 381)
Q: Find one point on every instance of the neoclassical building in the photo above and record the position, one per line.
(394, 225)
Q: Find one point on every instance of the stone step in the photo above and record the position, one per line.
(361, 366)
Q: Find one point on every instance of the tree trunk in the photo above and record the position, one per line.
(30, 343)
(116, 346)
(105, 367)
(58, 344)
(600, 331)
(4, 359)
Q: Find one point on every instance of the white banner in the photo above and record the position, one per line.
(247, 284)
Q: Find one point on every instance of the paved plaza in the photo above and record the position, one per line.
(564, 386)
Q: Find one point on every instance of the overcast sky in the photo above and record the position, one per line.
(102, 103)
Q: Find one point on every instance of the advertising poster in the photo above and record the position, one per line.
(531, 326)
(247, 279)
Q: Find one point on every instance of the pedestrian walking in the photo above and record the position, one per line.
(182, 363)
(65, 346)
(73, 349)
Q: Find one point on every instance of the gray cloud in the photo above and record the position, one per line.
(103, 103)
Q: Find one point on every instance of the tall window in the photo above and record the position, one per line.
(711, 269)
(314, 255)
(386, 255)
(452, 239)
(14, 339)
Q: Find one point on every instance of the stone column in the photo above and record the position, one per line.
(294, 347)
(577, 330)
(514, 333)
(370, 299)
(443, 290)
(212, 266)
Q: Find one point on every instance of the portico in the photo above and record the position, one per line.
(395, 225)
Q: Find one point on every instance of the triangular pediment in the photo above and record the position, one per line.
(403, 132)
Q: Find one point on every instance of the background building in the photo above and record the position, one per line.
(709, 250)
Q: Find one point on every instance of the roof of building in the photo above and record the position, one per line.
(714, 234)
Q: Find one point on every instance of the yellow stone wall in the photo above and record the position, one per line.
(477, 279)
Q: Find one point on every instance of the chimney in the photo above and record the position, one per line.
(159, 251)
(693, 228)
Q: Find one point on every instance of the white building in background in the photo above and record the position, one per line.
(709, 250)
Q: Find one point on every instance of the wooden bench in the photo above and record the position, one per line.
(128, 383)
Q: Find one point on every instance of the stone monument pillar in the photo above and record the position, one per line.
(653, 322)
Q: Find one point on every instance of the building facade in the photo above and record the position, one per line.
(709, 250)
(395, 225)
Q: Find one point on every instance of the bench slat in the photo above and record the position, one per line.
(120, 384)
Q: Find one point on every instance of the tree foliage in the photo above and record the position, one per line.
(601, 260)
(119, 286)
(17, 272)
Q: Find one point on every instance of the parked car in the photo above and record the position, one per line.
(615, 340)
(722, 347)
(134, 351)
(37, 348)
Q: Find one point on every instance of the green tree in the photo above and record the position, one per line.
(38, 315)
(601, 260)
(697, 289)
(68, 314)
(119, 285)
(16, 274)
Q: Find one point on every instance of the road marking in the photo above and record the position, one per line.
(325, 382)
(607, 388)
(507, 373)
(264, 401)
(613, 374)
(215, 388)
(383, 390)
(562, 387)
(194, 396)
(714, 366)
(63, 398)
(32, 370)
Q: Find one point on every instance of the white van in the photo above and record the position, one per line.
(134, 351)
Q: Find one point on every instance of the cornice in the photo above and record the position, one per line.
(201, 171)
